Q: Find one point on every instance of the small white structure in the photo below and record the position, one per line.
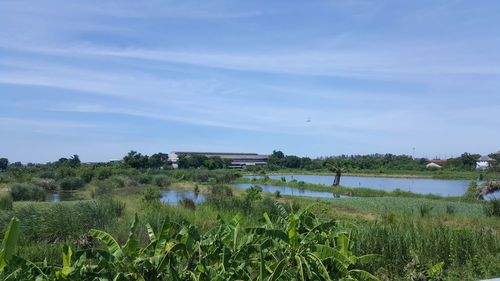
(432, 165)
(483, 162)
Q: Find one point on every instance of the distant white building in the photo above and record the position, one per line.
(483, 162)
(432, 165)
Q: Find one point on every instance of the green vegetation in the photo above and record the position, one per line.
(235, 234)
(293, 245)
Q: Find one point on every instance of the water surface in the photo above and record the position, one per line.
(174, 196)
(415, 185)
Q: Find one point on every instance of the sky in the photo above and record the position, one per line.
(310, 78)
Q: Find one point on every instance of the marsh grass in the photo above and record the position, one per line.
(5, 201)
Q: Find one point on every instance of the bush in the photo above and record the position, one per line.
(492, 208)
(103, 173)
(188, 203)
(71, 183)
(143, 179)
(5, 201)
(425, 210)
(161, 180)
(46, 184)
(101, 189)
(473, 191)
(220, 190)
(27, 192)
(87, 174)
(151, 194)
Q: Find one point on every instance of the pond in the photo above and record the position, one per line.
(286, 190)
(61, 196)
(174, 196)
(415, 185)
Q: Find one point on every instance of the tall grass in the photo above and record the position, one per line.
(66, 221)
(401, 242)
(27, 192)
(5, 201)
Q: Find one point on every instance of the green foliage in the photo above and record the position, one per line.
(71, 183)
(294, 246)
(473, 191)
(5, 201)
(158, 160)
(4, 163)
(161, 180)
(47, 184)
(87, 173)
(27, 192)
(9, 243)
(65, 221)
(103, 173)
(187, 161)
(492, 208)
(424, 210)
(151, 194)
(136, 160)
(251, 195)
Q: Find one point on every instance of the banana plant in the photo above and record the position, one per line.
(296, 246)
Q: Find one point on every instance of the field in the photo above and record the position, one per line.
(388, 235)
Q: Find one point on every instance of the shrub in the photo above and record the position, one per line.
(161, 180)
(117, 181)
(48, 174)
(188, 203)
(5, 201)
(425, 210)
(103, 173)
(46, 184)
(277, 194)
(151, 194)
(87, 174)
(450, 209)
(101, 189)
(143, 179)
(473, 191)
(71, 183)
(27, 192)
(492, 208)
(220, 190)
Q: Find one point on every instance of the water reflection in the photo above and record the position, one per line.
(415, 185)
(174, 196)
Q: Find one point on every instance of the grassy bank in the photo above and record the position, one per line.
(431, 174)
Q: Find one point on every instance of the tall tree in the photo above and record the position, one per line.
(4, 163)
(158, 160)
(136, 160)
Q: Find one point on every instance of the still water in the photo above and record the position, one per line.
(415, 185)
(285, 190)
(174, 196)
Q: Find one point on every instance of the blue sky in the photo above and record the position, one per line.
(100, 78)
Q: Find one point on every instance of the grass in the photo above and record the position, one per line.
(438, 174)
(410, 206)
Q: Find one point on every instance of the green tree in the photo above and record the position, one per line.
(136, 160)
(4, 163)
(74, 161)
(158, 160)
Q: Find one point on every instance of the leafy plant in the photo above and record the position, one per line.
(292, 247)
